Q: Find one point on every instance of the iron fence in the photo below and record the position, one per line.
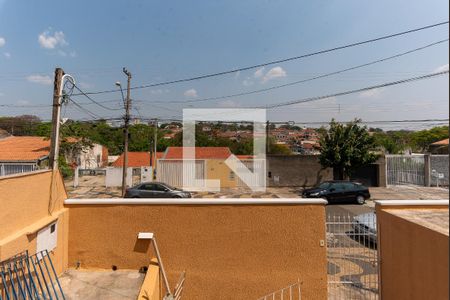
(352, 257)
(405, 169)
(30, 277)
(291, 292)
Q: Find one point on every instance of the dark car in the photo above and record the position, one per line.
(339, 191)
(155, 190)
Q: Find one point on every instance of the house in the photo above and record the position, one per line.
(137, 159)
(439, 147)
(208, 164)
(91, 156)
(87, 240)
(19, 154)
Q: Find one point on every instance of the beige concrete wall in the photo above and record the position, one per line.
(217, 169)
(228, 251)
(414, 258)
(25, 209)
(151, 287)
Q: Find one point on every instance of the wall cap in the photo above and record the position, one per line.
(199, 201)
(16, 175)
(443, 202)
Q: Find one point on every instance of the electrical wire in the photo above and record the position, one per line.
(316, 98)
(276, 61)
(305, 80)
(92, 100)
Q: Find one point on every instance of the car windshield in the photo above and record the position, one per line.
(324, 185)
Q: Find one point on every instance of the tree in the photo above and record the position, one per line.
(346, 148)
(421, 140)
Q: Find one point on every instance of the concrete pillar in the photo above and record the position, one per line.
(75, 177)
(427, 171)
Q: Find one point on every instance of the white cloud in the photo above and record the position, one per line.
(191, 93)
(2, 41)
(41, 79)
(273, 73)
(441, 68)
(7, 54)
(49, 41)
(247, 82)
(371, 93)
(259, 73)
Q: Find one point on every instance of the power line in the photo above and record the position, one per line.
(306, 80)
(310, 99)
(276, 61)
(82, 109)
(92, 100)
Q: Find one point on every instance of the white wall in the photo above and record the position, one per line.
(114, 177)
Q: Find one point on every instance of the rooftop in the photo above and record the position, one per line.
(441, 143)
(200, 153)
(137, 159)
(24, 148)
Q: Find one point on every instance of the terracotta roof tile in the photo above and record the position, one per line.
(442, 142)
(24, 148)
(200, 153)
(137, 159)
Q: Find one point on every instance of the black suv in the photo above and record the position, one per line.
(336, 191)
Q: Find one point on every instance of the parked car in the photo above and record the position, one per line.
(339, 191)
(365, 227)
(155, 190)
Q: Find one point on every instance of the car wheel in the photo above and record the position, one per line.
(360, 199)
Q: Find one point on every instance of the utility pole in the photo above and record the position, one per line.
(267, 136)
(126, 124)
(155, 142)
(54, 139)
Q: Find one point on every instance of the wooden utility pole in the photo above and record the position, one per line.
(54, 140)
(126, 124)
(155, 143)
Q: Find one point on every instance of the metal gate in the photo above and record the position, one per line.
(405, 169)
(352, 257)
(257, 181)
(171, 171)
(29, 277)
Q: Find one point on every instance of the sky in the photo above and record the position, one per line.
(161, 41)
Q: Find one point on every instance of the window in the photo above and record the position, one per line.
(147, 187)
(159, 187)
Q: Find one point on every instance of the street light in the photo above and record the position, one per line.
(121, 91)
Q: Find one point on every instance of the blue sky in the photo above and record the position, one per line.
(161, 40)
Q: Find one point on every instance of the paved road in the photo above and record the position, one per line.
(349, 209)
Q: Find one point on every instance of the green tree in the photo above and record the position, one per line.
(422, 139)
(346, 148)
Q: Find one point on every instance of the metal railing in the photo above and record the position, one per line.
(30, 277)
(352, 257)
(291, 292)
(16, 168)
